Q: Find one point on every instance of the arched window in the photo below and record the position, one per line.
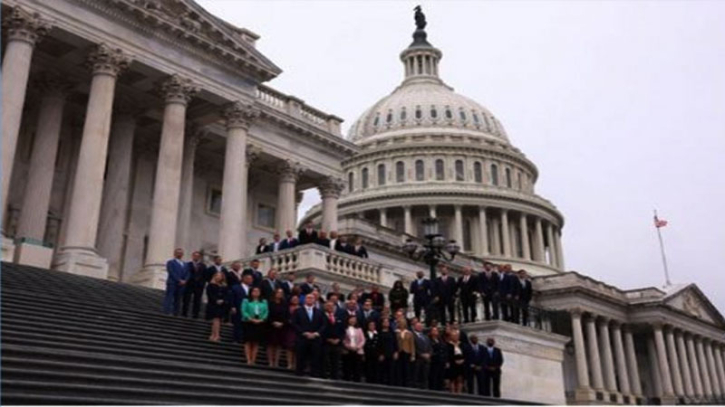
(509, 182)
(389, 118)
(377, 120)
(433, 112)
(364, 178)
(418, 113)
(402, 114)
(478, 172)
(381, 174)
(460, 173)
(520, 182)
(440, 170)
(419, 170)
(475, 118)
(449, 114)
(463, 115)
(350, 181)
(400, 171)
(494, 174)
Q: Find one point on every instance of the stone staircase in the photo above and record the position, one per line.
(69, 339)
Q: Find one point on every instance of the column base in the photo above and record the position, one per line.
(668, 400)
(588, 396)
(81, 261)
(33, 253)
(152, 276)
(8, 249)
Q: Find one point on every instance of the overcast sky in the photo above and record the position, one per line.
(619, 104)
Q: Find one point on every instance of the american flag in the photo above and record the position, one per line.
(660, 222)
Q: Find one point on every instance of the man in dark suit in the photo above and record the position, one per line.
(341, 245)
(468, 289)
(195, 285)
(270, 284)
(505, 294)
(513, 291)
(332, 338)
(423, 353)
(276, 244)
(322, 239)
(376, 297)
(444, 295)
(255, 272)
(177, 275)
(309, 285)
(237, 294)
(309, 324)
(216, 267)
(488, 286)
(525, 293)
(492, 362)
(474, 354)
(367, 314)
(358, 249)
(235, 274)
(289, 242)
(288, 285)
(420, 288)
(307, 235)
(262, 246)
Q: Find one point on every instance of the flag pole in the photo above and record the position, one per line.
(662, 250)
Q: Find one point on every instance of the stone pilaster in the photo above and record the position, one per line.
(117, 189)
(79, 255)
(177, 92)
(330, 190)
(233, 223)
(22, 31)
(289, 173)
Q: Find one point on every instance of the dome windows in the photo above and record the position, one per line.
(440, 170)
(449, 114)
(419, 170)
(389, 117)
(478, 172)
(403, 114)
(509, 182)
(351, 181)
(418, 113)
(460, 171)
(433, 112)
(463, 115)
(381, 174)
(494, 174)
(376, 122)
(365, 180)
(400, 172)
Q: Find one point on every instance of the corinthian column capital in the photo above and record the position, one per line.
(331, 187)
(239, 114)
(105, 60)
(253, 152)
(177, 89)
(290, 171)
(22, 25)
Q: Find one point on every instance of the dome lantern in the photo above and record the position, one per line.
(420, 59)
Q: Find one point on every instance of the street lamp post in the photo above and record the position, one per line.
(435, 250)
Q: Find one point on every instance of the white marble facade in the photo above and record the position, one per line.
(131, 127)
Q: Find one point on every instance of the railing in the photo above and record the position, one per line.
(311, 257)
(297, 108)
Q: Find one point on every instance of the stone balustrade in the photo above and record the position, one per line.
(316, 258)
(297, 108)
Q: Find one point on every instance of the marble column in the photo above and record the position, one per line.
(524, 226)
(559, 249)
(289, 172)
(458, 225)
(330, 190)
(383, 217)
(184, 232)
(79, 256)
(505, 229)
(496, 237)
(408, 220)
(702, 362)
(140, 213)
(711, 367)
(654, 367)
(632, 365)
(595, 363)
(552, 249)
(36, 201)
(117, 191)
(538, 253)
(177, 92)
(667, 387)
(694, 366)
(619, 356)
(582, 368)
(684, 366)
(233, 219)
(483, 226)
(23, 30)
(606, 347)
(674, 363)
(717, 354)
(432, 211)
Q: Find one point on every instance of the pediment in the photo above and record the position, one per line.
(692, 301)
(190, 22)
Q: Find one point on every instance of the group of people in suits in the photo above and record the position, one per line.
(505, 294)
(309, 235)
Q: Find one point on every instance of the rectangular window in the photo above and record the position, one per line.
(460, 175)
(265, 216)
(214, 203)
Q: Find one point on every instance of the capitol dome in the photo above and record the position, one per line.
(425, 151)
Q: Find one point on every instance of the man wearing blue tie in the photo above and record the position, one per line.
(492, 362)
(309, 324)
(175, 282)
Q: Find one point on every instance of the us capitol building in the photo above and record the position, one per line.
(131, 127)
